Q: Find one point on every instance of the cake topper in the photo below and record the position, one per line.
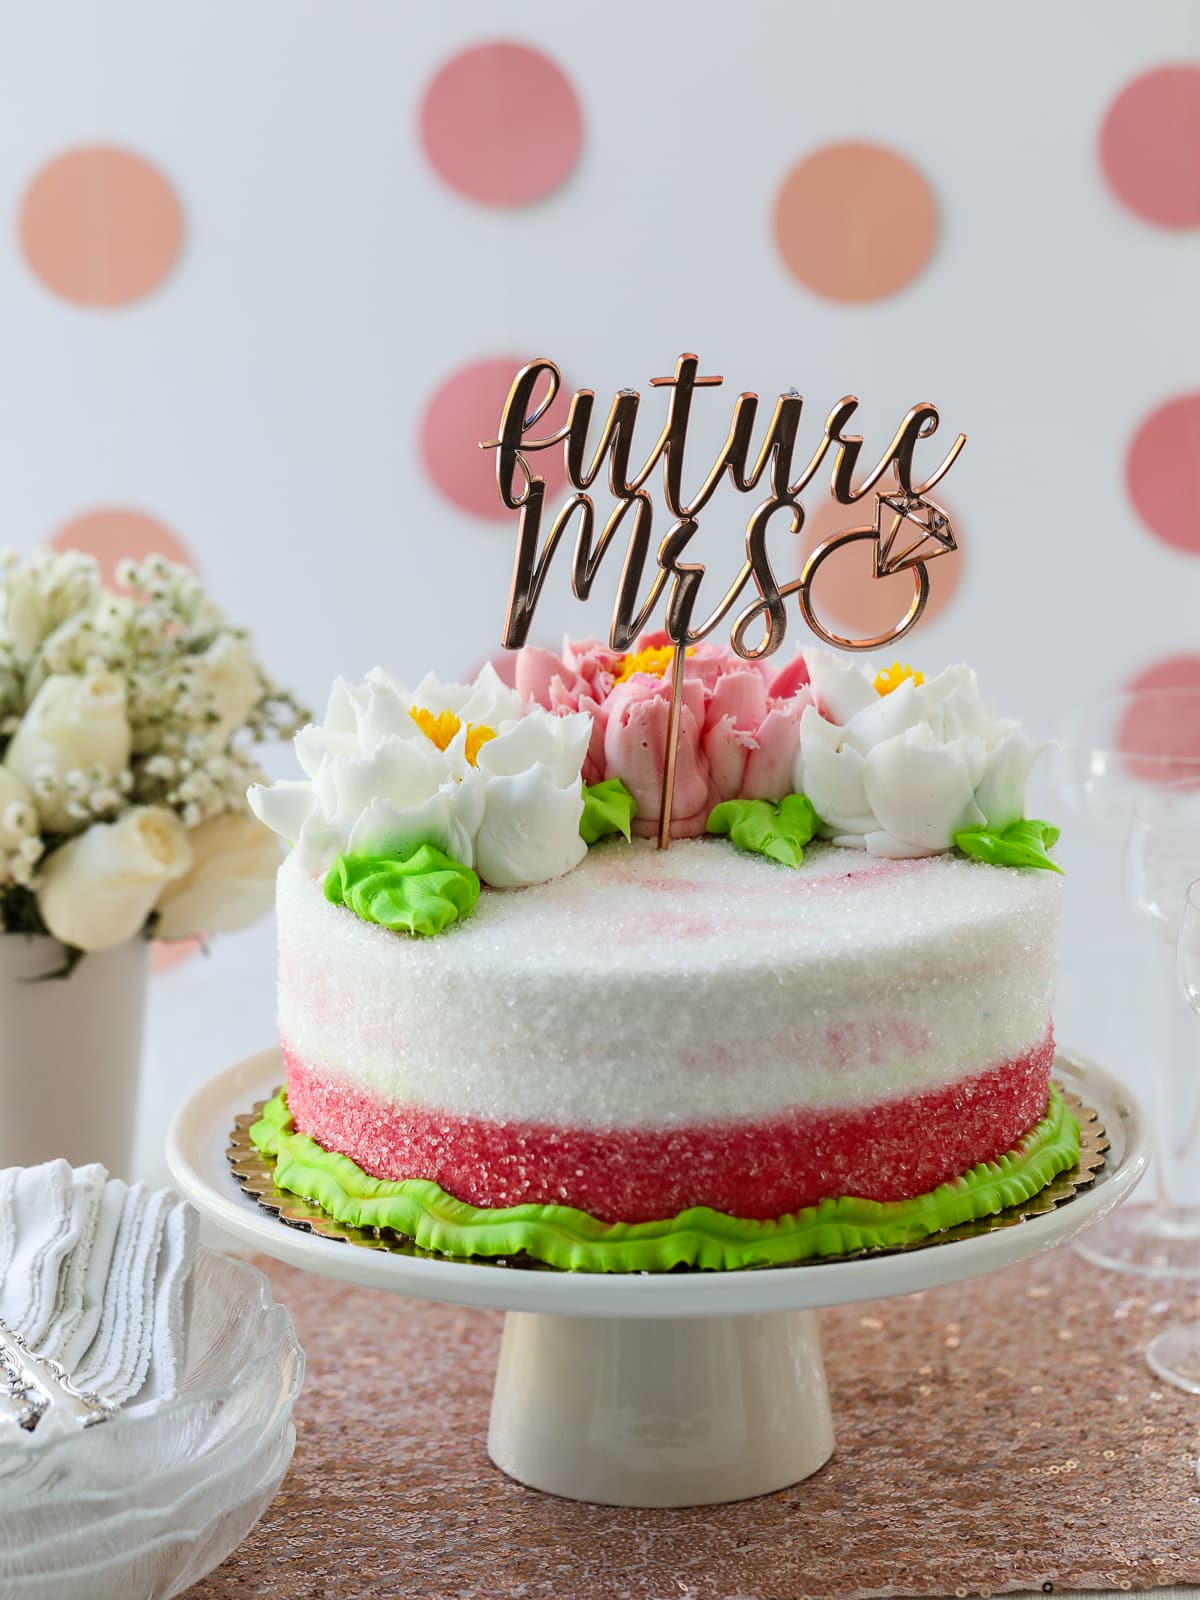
(908, 530)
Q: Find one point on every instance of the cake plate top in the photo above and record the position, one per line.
(199, 1136)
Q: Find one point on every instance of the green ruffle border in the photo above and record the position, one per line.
(563, 1236)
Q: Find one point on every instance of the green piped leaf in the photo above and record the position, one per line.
(417, 890)
(779, 832)
(1024, 844)
(608, 807)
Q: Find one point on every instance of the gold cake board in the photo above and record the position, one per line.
(255, 1172)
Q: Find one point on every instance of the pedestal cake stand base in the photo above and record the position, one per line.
(669, 1411)
(645, 1389)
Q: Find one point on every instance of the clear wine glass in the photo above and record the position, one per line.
(1111, 756)
(1174, 1354)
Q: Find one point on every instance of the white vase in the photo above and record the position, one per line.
(70, 1052)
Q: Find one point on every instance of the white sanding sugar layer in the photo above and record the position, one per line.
(649, 988)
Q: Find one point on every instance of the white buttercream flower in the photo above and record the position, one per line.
(230, 883)
(909, 769)
(72, 723)
(380, 772)
(533, 799)
(463, 767)
(488, 701)
(98, 889)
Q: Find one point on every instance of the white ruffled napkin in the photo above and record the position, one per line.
(94, 1274)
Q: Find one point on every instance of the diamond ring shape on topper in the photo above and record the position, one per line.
(906, 513)
(679, 581)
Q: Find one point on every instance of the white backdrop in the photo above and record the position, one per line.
(265, 402)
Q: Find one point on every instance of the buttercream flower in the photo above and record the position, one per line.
(739, 724)
(73, 723)
(909, 769)
(533, 800)
(227, 675)
(375, 779)
(98, 889)
(230, 883)
(457, 766)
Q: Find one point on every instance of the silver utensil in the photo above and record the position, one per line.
(35, 1384)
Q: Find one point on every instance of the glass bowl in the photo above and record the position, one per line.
(147, 1503)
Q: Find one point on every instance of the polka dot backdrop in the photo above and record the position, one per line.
(855, 221)
(1150, 146)
(481, 145)
(1162, 470)
(100, 226)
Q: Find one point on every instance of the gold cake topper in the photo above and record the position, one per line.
(908, 531)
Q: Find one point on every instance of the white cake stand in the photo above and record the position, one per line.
(650, 1389)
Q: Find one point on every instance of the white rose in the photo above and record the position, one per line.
(228, 676)
(912, 768)
(98, 889)
(230, 883)
(72, 722)
(533, 800)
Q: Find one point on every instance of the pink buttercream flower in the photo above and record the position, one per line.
(739, 727)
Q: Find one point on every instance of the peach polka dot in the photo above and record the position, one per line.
(1162, 472)
(1150, 146)
(501, 124)
(1161, 722)
(855, 221)
(168, 953)
(100, 226)
(112, 533)
(465, 410)
(844, 593)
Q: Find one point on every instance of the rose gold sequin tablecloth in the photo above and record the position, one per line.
(1000, 1435)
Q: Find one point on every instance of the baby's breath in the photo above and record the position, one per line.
(196, 699)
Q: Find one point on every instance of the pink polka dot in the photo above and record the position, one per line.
(465, 410)
(1150, 146)
(1159, 728)
(1162, 472)
(501, 124)
(100, 226)
(113, 533)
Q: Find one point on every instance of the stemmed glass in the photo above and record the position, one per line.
(1174, 1354)
(1139, 750)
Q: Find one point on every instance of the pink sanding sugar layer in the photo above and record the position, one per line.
(758, 1169)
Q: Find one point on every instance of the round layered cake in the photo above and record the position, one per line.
(818, 1022)
(696, 1027)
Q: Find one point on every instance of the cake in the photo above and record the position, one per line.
(819, 1022)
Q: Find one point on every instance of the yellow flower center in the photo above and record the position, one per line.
(892, 677)
(478, 734)
(653, 661)
(441, 727)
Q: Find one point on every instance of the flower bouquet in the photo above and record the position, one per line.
(127, 724)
